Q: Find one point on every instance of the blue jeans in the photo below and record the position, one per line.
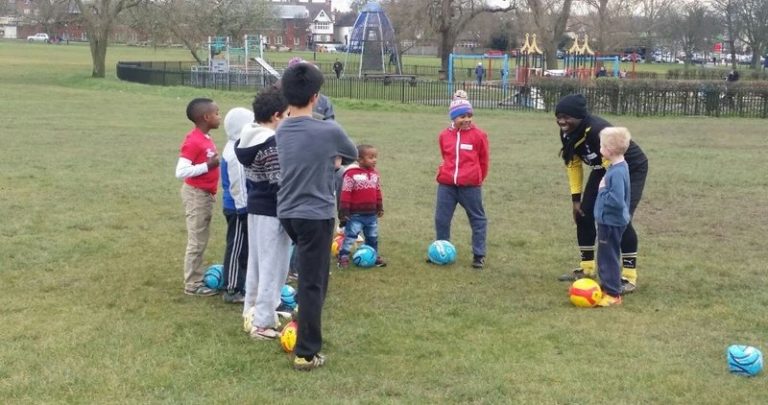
(368, 225)
(471, 198)
(609, 257)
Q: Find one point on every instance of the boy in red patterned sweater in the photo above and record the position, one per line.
(360, 204)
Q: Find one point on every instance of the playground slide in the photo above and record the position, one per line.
(266, 66)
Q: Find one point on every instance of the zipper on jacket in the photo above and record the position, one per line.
(456, 170)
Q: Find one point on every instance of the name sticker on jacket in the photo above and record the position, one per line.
(465, 146)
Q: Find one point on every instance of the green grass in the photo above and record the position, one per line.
(92, 241)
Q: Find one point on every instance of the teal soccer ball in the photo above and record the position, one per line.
(214, 277)
(744, 360)
(441, 252)
(364, 256)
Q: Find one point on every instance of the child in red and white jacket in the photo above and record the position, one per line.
(460, 176)
(360, 204)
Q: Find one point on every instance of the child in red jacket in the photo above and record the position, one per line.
(360, 204)
(464, 148)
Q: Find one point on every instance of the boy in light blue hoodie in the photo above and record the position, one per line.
(612, 212)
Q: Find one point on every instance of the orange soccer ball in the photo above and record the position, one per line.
(585, 293)
(288, 336)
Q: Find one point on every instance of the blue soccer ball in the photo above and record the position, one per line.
(744, 360)
(288, 296)
(441, 252)
(365, 256)
(214, 277)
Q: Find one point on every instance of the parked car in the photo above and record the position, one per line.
(39, 37)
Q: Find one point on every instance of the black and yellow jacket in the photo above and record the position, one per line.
(582, 147)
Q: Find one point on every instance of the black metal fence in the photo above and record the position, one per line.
(614, 96)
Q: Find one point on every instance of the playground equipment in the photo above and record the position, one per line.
(487, 57)
(530, 61)
(373, 38)
(218, 54)
(579, 61)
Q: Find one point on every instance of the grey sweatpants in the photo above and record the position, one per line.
(268, 250)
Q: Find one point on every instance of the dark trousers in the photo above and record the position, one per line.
(236, 252)
(313, 240)
(471, 198)
(609, 258)
(585, 226)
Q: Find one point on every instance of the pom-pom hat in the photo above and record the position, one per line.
(458, 108)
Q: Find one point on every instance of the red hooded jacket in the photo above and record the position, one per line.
(465, 157)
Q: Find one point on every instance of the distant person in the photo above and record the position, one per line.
(393, 60)
(338, 67)
(612, 213)
(765, 62)
(579, 136)
(268, 243)
(361, 204)
(601, 72)
(198, 165)
(323, 108)
(307, 151)
(460, 176)
(234, 200)
(479, 73)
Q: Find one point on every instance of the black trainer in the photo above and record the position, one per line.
(573, 275)
(478, 262)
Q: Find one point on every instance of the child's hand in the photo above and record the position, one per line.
(380, 213)
(602, 183)
(577, 212)
(337, 162)
(213, 161)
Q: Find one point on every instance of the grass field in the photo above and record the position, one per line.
(92, 240)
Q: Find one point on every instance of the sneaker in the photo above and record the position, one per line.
(478, 262)
(299, 363)
(201, 291)
(264, 333)
(573, 275)
(627, 287)
(248, 320)
(293, 276)
(609, 301)
(343, 262)
(233, 297)
(380, 262)
(284, 311)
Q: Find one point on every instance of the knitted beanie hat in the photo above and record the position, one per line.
(572, 105)
(459, 107)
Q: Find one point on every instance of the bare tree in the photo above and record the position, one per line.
(728, 14)
(694, 27)
(51, 14)
(99, 17)
(651, 16)
(605, 21)
(753, 16)
(190, 22)
(550, 17)
(449, 18)
(408, 24)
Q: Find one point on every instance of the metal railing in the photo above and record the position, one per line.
(621, 97)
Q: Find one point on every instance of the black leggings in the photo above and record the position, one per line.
(585, 226)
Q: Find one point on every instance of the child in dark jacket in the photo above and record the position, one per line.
(464, 148)
(612, 212)
(360, 204)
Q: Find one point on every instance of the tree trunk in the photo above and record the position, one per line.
(447, 40)
(98, 39)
